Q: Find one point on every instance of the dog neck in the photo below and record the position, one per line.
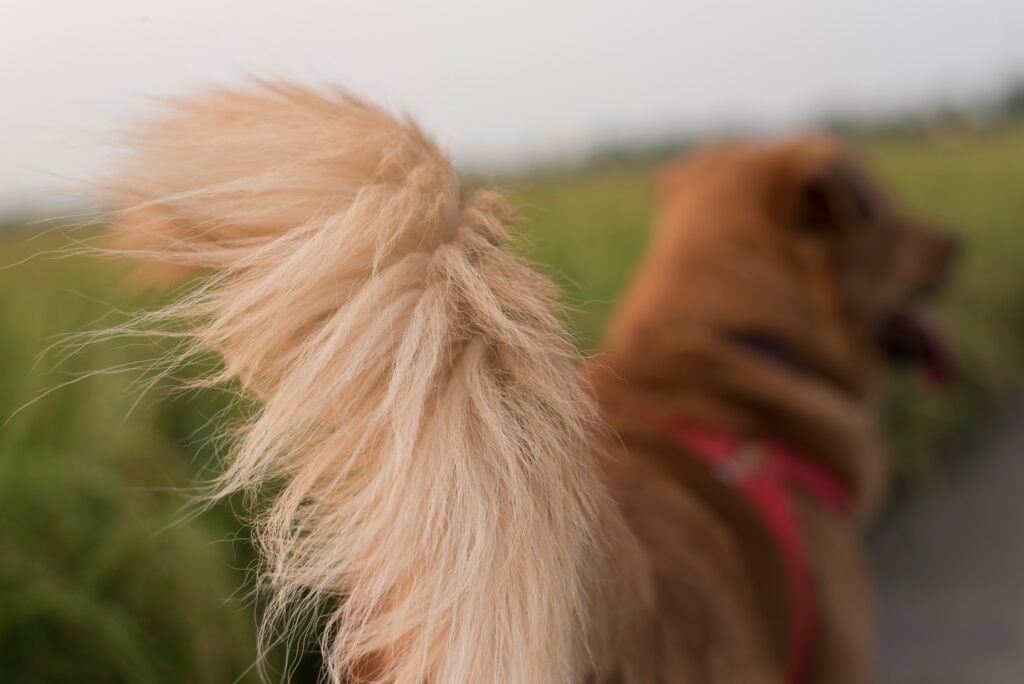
(751, 387)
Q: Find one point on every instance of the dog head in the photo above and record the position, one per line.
(877, 262)
(797, 251)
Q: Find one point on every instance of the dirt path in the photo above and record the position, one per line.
(951, 575)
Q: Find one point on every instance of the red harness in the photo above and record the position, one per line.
(768, 475)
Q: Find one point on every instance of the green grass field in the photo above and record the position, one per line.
(105, 574)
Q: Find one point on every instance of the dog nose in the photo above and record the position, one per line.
(945, 254)
(952, 246)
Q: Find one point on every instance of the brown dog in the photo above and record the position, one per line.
(775, 288)
(442, 483)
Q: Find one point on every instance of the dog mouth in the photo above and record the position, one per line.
(908, 339)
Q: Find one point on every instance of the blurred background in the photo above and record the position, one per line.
(108, 573)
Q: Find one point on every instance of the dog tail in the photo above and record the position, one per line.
(421, 410)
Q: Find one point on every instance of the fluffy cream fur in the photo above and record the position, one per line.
(421, 406)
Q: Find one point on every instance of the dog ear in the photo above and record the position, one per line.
(815, 207)
(825, 194)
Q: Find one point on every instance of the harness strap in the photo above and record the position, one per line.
(768, 474)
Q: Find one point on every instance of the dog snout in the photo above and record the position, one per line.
(950, 247)
(944, 251)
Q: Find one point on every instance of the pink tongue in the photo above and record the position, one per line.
(913, 339)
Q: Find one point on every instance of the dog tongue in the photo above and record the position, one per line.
(910, 339)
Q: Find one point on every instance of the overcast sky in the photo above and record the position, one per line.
(496, 82)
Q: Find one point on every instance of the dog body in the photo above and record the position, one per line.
(475, 508)
(759, 312)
